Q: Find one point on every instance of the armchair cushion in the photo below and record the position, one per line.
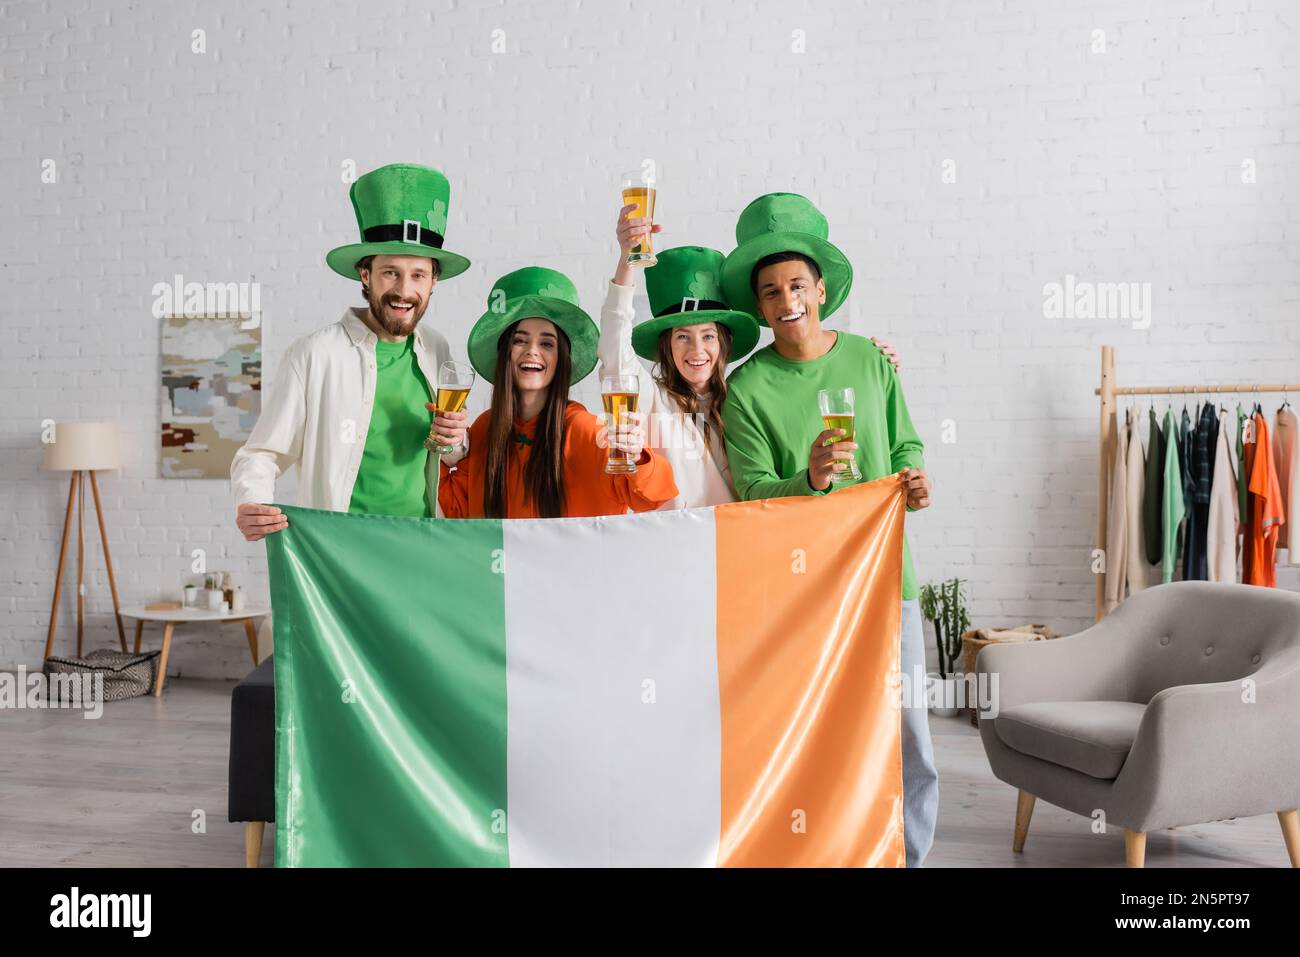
(1092, 737)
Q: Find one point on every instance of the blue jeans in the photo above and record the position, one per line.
(920, 779)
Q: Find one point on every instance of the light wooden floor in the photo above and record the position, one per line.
(122, 791)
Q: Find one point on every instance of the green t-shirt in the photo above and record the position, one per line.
(390, 480)
(771, 418)
(1171, 519)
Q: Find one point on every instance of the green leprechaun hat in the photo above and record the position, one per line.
(685, 288)
(777, 223)
(534, 292)
(401, 211)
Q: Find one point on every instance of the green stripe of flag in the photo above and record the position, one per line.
(387, 754)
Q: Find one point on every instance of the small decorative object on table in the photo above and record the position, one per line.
(945, 605)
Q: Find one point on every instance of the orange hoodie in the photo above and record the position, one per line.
(588, 489)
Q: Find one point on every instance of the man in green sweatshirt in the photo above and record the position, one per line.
(787, 275)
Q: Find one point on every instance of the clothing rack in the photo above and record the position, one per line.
(1108, 390)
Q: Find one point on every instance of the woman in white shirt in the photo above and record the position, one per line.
(679, 356)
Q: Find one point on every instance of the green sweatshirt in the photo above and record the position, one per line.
(771, 418)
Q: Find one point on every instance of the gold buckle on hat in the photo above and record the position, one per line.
(411, 231)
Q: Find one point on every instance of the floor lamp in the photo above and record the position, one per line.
(83, 448)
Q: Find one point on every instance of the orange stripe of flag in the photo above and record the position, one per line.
(808, 640)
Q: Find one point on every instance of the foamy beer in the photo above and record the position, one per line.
(639, 191)
(455, 379)
(619, 394)
(837, 413)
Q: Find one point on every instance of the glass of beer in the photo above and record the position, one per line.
(619, 394)
(455, 379)
(837, 413)
(639, 187)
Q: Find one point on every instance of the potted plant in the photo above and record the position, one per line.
(212, 593)
(944, 604)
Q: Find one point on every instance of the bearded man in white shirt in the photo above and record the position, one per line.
(352, 403)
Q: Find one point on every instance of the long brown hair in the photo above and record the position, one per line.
(544, 471)
(669, 376)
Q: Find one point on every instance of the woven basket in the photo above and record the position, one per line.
(125, 675)
(976, 639)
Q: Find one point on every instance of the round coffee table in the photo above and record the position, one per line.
(171, 618)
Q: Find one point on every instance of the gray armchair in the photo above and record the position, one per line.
(1182, 706)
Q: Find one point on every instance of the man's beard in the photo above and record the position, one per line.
(392, 325)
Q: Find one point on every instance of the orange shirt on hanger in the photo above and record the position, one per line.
(1266, 512)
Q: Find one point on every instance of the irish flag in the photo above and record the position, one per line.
(705, 687)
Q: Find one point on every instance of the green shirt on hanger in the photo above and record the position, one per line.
(1153, 491)
(391, 478)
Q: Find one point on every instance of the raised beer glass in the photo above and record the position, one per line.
(639, 188)
(619, 394)
(455, 379)
(837, 413)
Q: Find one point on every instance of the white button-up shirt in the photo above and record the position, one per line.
(317, 416)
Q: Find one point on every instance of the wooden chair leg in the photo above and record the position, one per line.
(253, 831)
(139, 631)
(1135, 848)
(1024, 811)
(162, 659)
(1290, 822)
(251, 630)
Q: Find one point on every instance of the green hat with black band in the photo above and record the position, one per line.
(685, 289)
(534, 292)
(778, 223)
(401, 211)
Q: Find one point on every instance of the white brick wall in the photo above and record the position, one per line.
(1115, 166)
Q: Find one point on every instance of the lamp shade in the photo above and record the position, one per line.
(84, 445)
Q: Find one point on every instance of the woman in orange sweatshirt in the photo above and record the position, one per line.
(535, 453)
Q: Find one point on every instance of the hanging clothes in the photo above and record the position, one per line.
(1200, 466)
(1243, 473)
(1246, 439)
(1286, 445)
(1222, 518)
(1116, 515)
(1134, 486)
(1186, 436)
(1259, 547)
(1153, 492)
(1172, 510)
